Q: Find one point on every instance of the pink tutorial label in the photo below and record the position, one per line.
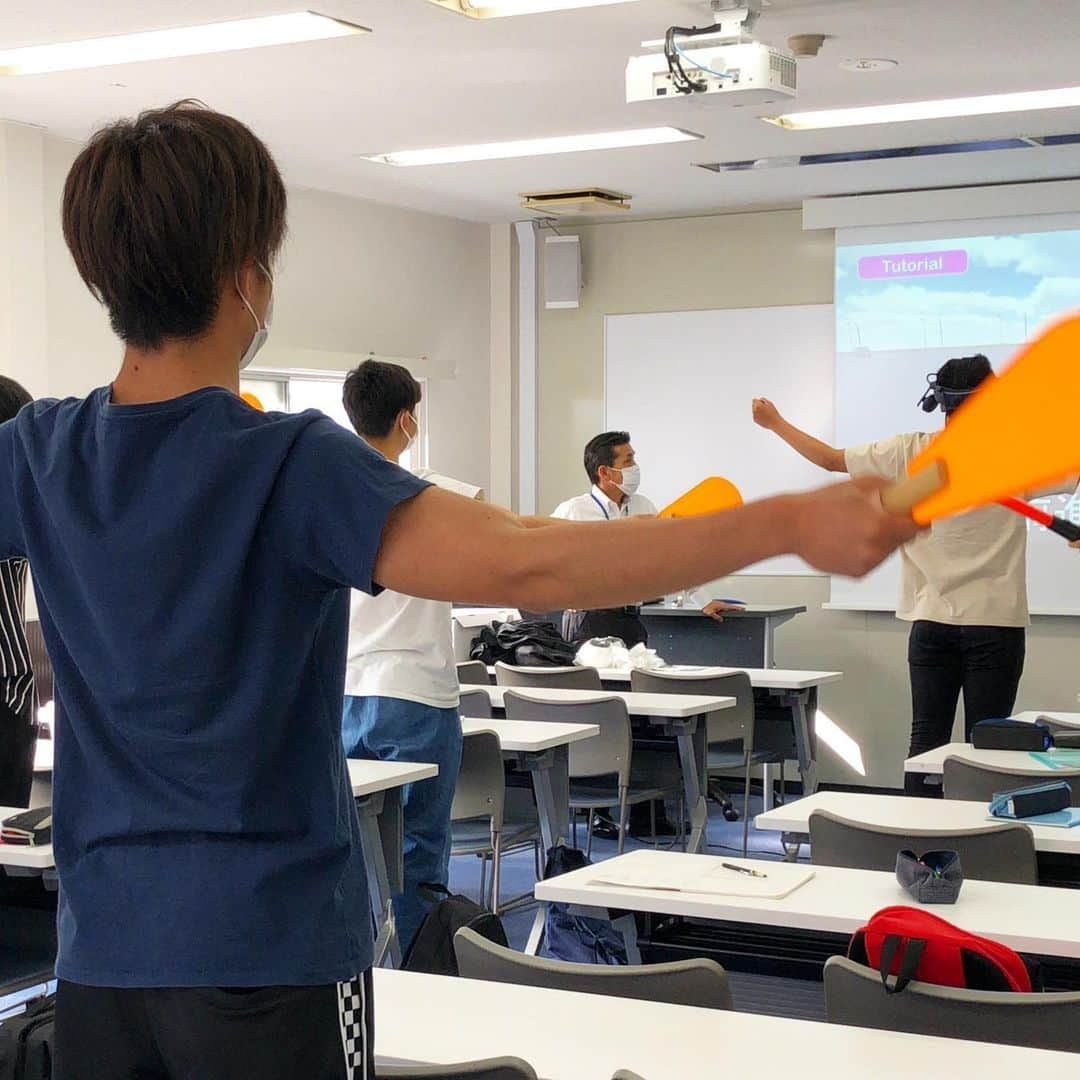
(913, 264)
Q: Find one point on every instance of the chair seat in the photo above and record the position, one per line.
(474, 837)
(601, 793)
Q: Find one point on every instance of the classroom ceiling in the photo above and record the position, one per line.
(429, 78)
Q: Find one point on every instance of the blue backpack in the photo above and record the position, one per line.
(577, 939)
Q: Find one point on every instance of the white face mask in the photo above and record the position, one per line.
(262, 330)
(409, 439)
(631, 479)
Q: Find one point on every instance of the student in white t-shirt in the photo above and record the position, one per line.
(401, 682)
(963, 582)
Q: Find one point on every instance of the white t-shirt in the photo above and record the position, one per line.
(594, 505)
(401, 646)
(967, 570)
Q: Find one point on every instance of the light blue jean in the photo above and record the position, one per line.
(392, 729)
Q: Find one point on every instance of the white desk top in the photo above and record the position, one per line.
(932, 763)
(1065, 719)
(465, 1019)
(530, 736)
(370, 777)
(43, 755)
(367, 778)
(678, 706)
(34, 858)
(1028, 918)
(902, 812)
(761, 678)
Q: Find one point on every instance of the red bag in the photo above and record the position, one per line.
(914, 944)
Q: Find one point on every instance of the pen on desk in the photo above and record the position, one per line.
(743, 870)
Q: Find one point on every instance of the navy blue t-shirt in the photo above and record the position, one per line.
(192, 561)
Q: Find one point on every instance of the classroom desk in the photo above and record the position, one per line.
(795, 690)
(932, 762)
(376, 786)
(903, 812)
(1029, 918)
(543, 749)
(435, 1020)
(1065, 719)
(680, 715)
(684, 635)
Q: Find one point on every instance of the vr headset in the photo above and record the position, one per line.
(943, 397)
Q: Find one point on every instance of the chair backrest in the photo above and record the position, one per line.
(854, 995)
(481, 783)
(737, 723)
(504, 1068)
(475, 704)
(698, 981)
(606, 754)
(473, 673)
(563, 678)
(980, 783)
(987, 853)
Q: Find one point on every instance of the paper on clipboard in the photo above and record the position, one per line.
(705, 877)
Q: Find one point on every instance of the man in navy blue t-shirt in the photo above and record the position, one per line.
(192, 559)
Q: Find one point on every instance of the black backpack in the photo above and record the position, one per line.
(26, 1042)
(525, 644)
(432, 950)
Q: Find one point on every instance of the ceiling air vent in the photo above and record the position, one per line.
(575, 201)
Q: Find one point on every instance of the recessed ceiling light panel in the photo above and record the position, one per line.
(218, 37)
(988, 105)
(558, 144)
(496, 9)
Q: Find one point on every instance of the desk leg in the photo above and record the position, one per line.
(375, 863)
(536, 931)
(691, 740)
(768, 794)
(801, 704)
(550, 773)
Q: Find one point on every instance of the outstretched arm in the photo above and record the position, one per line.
(819, 453)
(445, 547)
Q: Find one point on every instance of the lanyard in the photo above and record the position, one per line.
(603, 508)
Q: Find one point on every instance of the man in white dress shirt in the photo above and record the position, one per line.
(615, 476)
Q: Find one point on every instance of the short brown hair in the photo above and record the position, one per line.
(159, 213)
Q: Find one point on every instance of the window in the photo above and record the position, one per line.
(294, 390)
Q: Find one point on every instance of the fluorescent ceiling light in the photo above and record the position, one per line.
(559, 144)
(181, 41)
(1028, 101)
(494, 9)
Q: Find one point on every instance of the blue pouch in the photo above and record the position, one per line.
(1032, 801)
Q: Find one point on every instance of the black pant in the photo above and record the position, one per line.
(18, 738)
(273, 1033)
(985, 662)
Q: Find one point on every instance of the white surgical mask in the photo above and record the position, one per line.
(631, 479)
(262, 330)
(409, 439)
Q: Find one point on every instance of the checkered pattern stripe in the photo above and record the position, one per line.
(352, 1014)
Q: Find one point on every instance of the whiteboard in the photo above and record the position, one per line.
(681, 383)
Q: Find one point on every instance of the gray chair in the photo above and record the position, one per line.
(699, 981)
(475, 704)
(473, 673)
(601, 768)
(988, 853)
(504, 1068)
(728, 733)
(562, 678)
(479, 822)
(980, 783)
(855, 996)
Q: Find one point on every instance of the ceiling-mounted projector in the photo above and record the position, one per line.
(719, 63)
(748, 73)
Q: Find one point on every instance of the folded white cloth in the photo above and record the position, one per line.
(610, 654)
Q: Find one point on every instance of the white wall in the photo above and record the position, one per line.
(751, 260)
(355, 277)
